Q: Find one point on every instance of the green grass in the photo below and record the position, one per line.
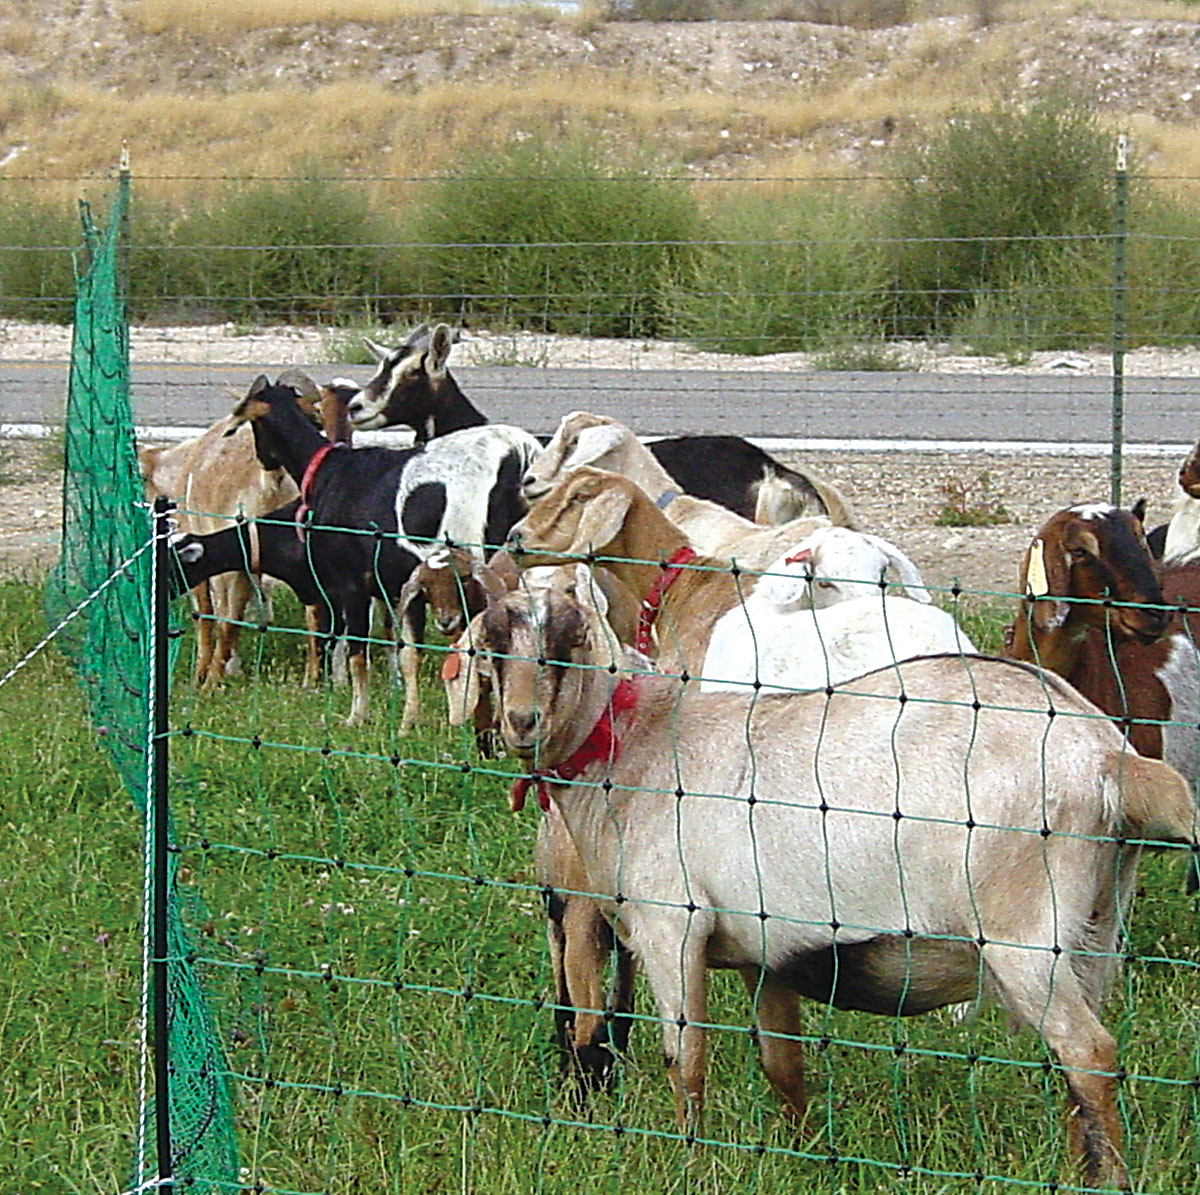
(371, 941)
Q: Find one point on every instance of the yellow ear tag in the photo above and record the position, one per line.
(1036, 583)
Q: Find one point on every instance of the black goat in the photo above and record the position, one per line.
(413, 388)
(366, 517)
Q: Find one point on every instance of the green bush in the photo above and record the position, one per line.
(785, 273)
(1163, 269)
(548, 237)
(987, 199)
(293, 249)
(37, 243)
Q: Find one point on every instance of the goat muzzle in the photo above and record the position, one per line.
(1141, 624)
(521, 731)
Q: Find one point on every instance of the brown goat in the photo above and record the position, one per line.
(1095, 611)
(599, 515)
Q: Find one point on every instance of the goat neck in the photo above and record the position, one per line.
(283, 434)
(645, 546)
(653, 600)
(601, 745)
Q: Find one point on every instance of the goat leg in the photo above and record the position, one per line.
(777, 1014)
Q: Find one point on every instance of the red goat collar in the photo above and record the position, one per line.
(601, 744)
(650, 603)
(307, 482)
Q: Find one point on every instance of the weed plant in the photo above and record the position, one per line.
(784, 269)
(374, 955)
(551, 237)
(980, 206)
(306, 249)
(37, 248)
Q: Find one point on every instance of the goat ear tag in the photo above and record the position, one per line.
(1036, 582)
(451, 665)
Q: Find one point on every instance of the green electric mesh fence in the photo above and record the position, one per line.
(100, 594)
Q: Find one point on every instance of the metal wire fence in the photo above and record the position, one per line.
(370, 921)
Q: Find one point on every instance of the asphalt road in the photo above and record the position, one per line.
(1063, 409)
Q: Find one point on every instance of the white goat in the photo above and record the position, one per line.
(758, 644)
(1183, 531)
(810, 622)
(836, 563)
(869, 852)
(712, 529)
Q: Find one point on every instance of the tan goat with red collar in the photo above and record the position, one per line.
(868, 852)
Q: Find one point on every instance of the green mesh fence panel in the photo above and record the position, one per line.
(101, 588)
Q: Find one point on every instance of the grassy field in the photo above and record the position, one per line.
(371, 942)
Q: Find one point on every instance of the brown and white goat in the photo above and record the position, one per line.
(591, 1017)
(1095, 610)
(865, 851)
(1182, 542)
(604, 516)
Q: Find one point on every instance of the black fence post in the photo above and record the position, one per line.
(156, 808)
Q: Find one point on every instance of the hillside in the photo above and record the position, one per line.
(403, 97)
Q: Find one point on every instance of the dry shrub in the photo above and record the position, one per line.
(216, 18)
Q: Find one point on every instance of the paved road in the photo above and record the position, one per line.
(1061, 409)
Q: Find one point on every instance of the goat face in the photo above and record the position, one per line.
(530, 642)
(1189, 473)
(405, 386)
(1093, 564)
(446, 578)
(581, 439)
(583, 514)
(262, 398)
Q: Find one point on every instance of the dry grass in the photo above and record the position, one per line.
(218, 18)
(363, 126)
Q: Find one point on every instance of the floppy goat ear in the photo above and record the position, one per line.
(593, 443)
(465, 672)
(601, 521)
(1046, 575)
(910, 575)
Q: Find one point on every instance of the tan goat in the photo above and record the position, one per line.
(215, 477)
(598, 515)
(866, 851)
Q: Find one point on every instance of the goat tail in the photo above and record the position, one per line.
(1155, 801)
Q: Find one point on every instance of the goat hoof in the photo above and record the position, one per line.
(593, 1066)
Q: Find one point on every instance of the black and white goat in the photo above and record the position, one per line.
(366, 517)
(412, 387)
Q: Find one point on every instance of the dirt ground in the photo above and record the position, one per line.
(897, 495)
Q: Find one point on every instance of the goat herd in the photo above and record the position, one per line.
(737, 730)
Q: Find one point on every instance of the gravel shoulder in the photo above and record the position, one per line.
(895, 494)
